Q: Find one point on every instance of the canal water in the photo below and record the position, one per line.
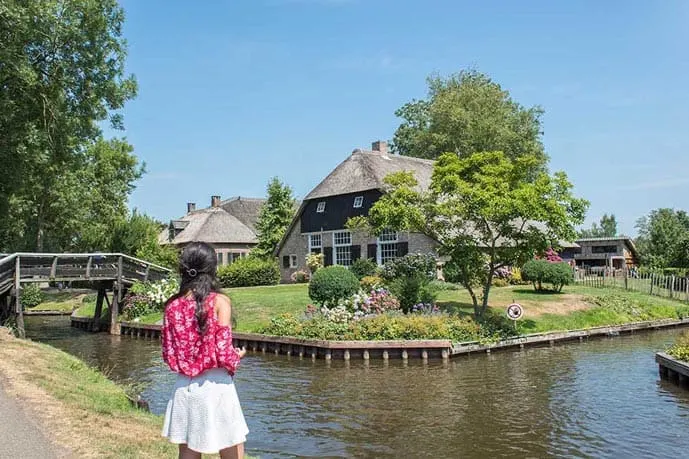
(601, 398)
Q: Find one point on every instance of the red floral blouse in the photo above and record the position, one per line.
(186, 350)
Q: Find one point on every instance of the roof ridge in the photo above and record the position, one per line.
(396, 156)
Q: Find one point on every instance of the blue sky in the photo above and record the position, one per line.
(235, 92)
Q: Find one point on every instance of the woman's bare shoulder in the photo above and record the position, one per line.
(223, 309)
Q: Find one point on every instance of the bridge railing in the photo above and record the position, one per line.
(66, 267)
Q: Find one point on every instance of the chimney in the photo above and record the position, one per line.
(191, 206)
(380, 146)
(215, 201)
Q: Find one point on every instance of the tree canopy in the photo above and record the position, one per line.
(469, 113)
(606, 228)
(61, 73)
(663, 240)
(485, 212)
(275, 216)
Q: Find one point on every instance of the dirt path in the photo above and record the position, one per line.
(21, 436)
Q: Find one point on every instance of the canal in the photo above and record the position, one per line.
(601, 398)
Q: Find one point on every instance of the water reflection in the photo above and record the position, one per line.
(597, 399)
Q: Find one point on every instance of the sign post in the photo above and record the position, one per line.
(514, 313)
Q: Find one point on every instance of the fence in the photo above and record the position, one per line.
(673, 287)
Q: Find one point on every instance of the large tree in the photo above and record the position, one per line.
(138, 236)
(61, 74)
(468, 113)
(275, 216)
(606, 228)
(485, 210)
(663, 239)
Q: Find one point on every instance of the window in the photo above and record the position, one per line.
(232, 257)
(387, 246)
(219, 258)
(292, 261)
(604, 249)
(315, 243)
(321, 207)
(342, 241)
(358, 202)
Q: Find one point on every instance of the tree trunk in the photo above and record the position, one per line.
(486, 292)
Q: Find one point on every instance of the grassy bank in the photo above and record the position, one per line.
(65, 301)
(81, 409)
(84, 411)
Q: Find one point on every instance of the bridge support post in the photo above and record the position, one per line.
(116, 301)
(19, 309)
(95, 326)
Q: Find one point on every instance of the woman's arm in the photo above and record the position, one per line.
(227, 355)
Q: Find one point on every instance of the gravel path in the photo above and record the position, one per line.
(20, 436)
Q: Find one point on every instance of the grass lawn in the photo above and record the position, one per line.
(576, 307)
(252, 307)
(63, 301)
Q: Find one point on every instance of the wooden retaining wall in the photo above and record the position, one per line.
(402, 349)
(672, 369)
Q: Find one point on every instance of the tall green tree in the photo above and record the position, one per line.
(606, 228)
(138, 235)
(61, 74)
(275, 216)
(468, 113)
(663, 240)
(485, 211)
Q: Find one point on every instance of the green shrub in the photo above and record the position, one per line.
(364, 267)
(680, 348)
(300, 277)
(408, 275)
(249, 272)
(31, 295)
(332, 284)
(497, 282)
(540, 272)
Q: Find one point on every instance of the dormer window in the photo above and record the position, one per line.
(321, 207)
(358, 202)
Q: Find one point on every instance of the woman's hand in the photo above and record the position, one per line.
(242, 352)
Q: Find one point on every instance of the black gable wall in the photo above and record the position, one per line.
(338, 209)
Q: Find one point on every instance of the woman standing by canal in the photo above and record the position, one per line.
(203, 414)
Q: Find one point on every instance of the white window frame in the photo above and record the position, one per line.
(358, 202)
(320, 208)
(293, 261)
(387, 238)
(315, 246)
(347, 242)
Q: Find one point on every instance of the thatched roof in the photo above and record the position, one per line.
(213, 225)
(365, 170)
(246, 210)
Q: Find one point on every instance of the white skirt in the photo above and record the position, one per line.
(204, 413)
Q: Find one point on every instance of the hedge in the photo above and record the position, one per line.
(249, 272)
(332, 284)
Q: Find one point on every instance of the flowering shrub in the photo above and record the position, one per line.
(339, 314)
(147, 297)
(369, 283)
(425, 309)
(408, 276)
(31, 295)
(300, 277)
(314, 261)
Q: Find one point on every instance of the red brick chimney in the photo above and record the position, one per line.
(380, 146)
(191, 206)
(215, 201)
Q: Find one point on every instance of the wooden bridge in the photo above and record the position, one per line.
(104, 272)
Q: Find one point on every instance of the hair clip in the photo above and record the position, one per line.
(192, 272)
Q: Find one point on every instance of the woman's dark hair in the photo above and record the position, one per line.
(197, 266)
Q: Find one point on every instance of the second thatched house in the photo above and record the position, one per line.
(349, 191)
(229, 226)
